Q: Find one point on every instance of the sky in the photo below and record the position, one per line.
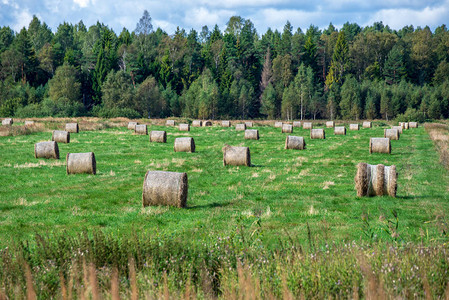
(194, 14)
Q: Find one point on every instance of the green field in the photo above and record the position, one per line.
(304, 198)
(284, 190)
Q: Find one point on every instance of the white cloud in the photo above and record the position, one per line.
(22, 19)
(398, 18)
(82, 3)
(243, 3)
(168, 27)
(276, 19)
(188, 14)
(198, 17)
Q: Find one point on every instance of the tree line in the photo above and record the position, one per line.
(352, 73)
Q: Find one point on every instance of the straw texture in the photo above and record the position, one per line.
(375, 180)
(46, 150)
(60, 136)
(81, 163)
(165, 188)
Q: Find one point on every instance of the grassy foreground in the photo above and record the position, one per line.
(290, 220)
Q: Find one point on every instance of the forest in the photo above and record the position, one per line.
(371, 72)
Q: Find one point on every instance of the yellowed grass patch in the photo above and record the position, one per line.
(327, 184)
(23, 202)
(304, 172)
(178, 161)
(41, 163)
(154, 210)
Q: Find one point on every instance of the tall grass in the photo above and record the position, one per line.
(142, 267)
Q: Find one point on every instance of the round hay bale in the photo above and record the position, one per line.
(317, 134)
(404, 125)
(236, 156)
(184, 144)
(295, 142)
(226, 123)
(141, 129)
(72, 127)
(413, 124)
(353, 126)
(132, 125)
(307, 125)
(80, 163)
(287, 128)
(158, 136)
(60, 136)
(278, 124)
(379, 145)
(340, 130)
(375, 180)
(184, 127)
(330, 124)
(297, 124)
(367, 124)
(170, 123)
(392, 134)
(251, 134)
(7, 122)
(207, 123)
(249, 124)
(29, 123)
(165, 188)
(197, 123)
(399, 128)
(240, 127)
(46, 150)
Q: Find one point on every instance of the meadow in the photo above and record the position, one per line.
(289, 203)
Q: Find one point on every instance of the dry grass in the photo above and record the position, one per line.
(439, 133)
(15, 130)
(327, 184)
(38, 164)
(24, 202)
(154, 210)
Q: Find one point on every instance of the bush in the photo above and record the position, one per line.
(9, 107)
(103, 112)
(30, 111)
(63, 108)
(51, 108)
(411, 115)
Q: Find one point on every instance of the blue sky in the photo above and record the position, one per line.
(194, 14)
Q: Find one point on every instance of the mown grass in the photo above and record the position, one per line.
(290, 204)
(284, 190)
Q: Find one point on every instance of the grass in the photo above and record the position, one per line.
(303, 199)
(284, 190)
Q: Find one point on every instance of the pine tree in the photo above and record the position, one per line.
(370, 106)
(29, 64)
(286, 39)
(350, 105)
(385, 104)
(394, 69)
(339, 62)
(268, 102)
